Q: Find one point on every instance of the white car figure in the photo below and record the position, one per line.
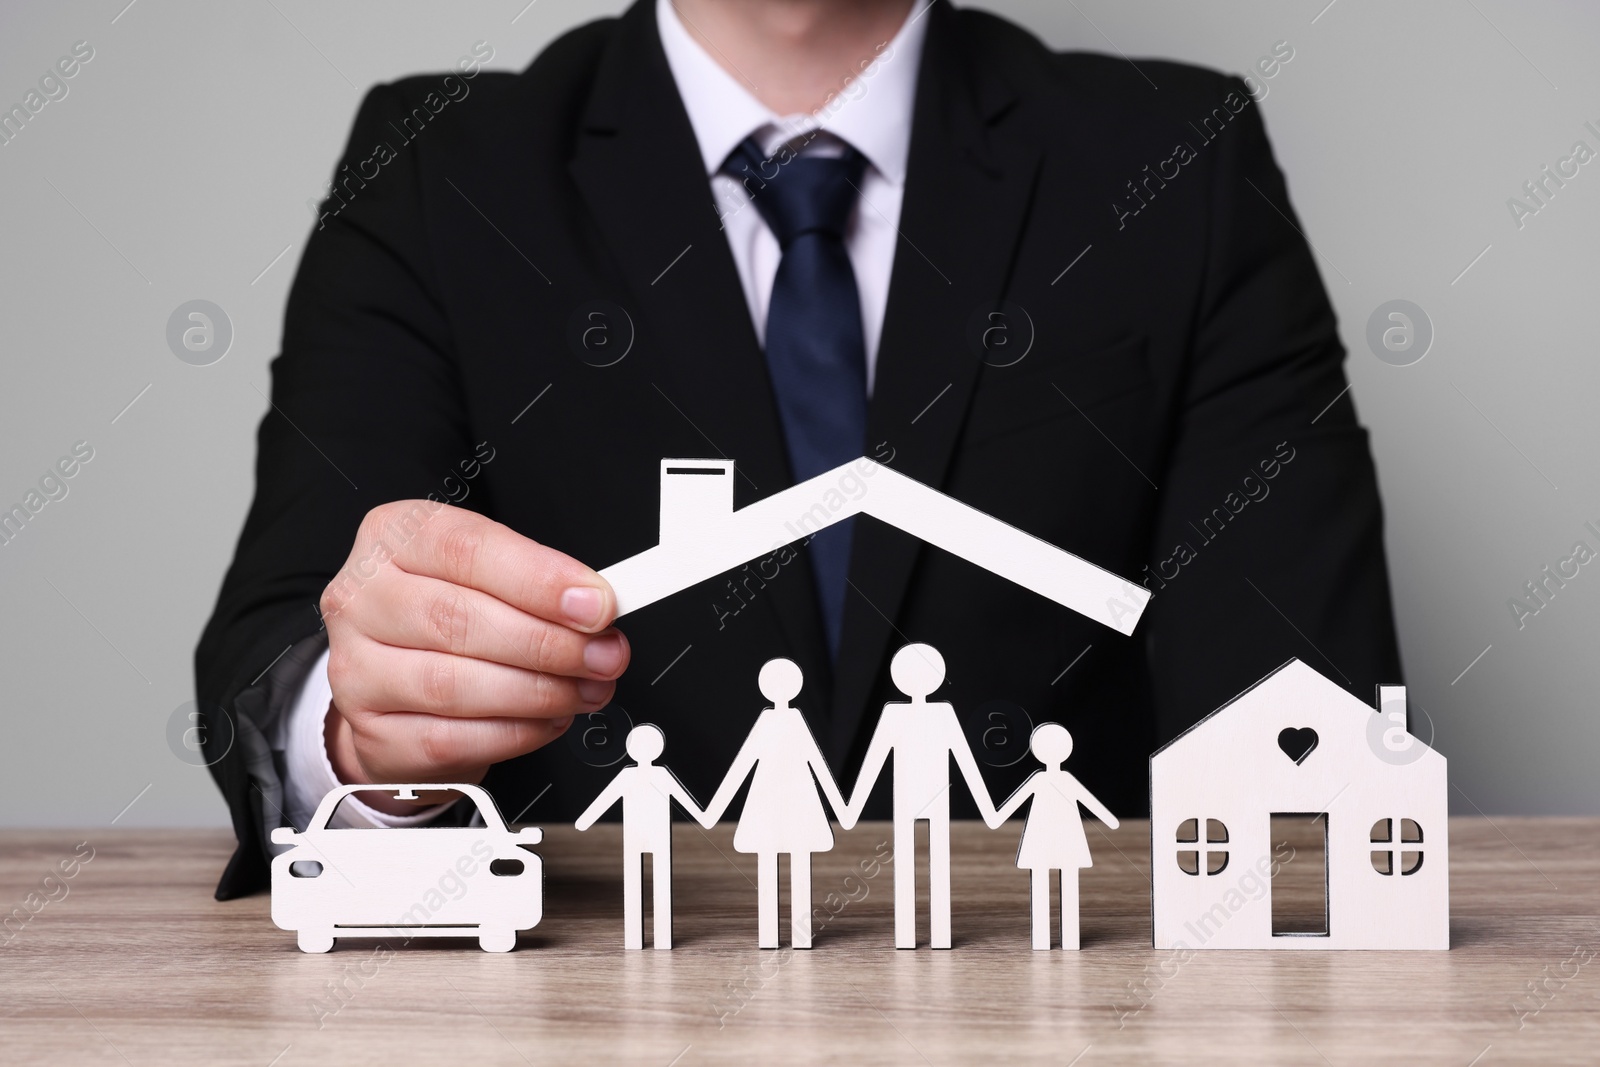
(426, 881)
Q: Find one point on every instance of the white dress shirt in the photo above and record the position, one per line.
(872, 113)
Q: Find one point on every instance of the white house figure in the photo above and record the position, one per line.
(702, 536)
(1296, 743)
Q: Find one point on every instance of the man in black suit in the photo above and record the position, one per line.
(1101, 324)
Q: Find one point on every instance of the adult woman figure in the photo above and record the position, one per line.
(1053, 837)
(782, 812)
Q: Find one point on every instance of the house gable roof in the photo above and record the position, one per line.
(735, 537)
(1297, 672)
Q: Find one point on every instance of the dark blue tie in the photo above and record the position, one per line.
(815, 350)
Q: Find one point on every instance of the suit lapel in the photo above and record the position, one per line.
(968, 190)
(640, 174)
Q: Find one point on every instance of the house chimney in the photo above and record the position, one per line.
(696, 496)
(1392, 705)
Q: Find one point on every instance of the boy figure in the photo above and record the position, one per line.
(646, 792)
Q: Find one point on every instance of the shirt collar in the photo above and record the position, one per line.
(872, 113)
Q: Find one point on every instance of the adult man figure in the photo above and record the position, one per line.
(922, 737)
(444, 326)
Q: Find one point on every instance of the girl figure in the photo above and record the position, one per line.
(782, 812)
(1053, 838)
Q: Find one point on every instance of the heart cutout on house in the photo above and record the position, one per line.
(1297, 743)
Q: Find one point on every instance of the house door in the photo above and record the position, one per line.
(1299, 874)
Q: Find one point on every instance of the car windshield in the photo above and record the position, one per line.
(490, 816)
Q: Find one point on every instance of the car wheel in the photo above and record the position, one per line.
(312, 941)
(498, 940)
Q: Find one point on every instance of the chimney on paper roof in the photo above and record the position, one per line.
(694, 494)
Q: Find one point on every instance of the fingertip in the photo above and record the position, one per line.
(606, 655)
(589, 608)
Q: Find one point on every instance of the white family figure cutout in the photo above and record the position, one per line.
(646, 792)
(782, 814)
(922, 736)
(1053, 837)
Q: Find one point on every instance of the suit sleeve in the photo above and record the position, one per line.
(1269, 534)
(366, 408)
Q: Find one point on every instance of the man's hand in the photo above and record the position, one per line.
(455, 643)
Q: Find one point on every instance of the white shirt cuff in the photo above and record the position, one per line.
(310, 773)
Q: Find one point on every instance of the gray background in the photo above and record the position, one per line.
(180, 162)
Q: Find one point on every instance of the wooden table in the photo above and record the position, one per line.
(138, 964)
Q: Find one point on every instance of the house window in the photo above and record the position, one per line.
(1200, 855)
(1391, 853)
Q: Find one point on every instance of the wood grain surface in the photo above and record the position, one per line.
(134, 962)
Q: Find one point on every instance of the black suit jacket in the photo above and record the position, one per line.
(1170, 420)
